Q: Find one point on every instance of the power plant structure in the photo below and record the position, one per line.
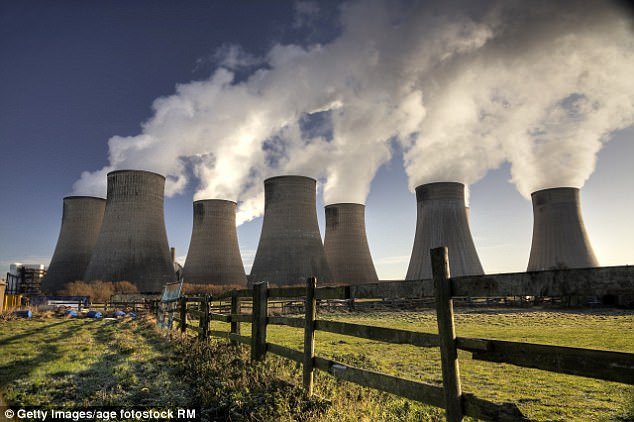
(442, 220)
(81, 222)
(559, 235)
(214, 255)
(132, 244)
(290, 247)
(346, 244)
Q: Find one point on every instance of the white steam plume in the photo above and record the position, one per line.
(544, 92)
(232, 135)
(462, 87)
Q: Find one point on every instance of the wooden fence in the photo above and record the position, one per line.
(604, 365)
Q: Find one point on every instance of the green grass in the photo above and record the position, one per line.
(84, 362)
(539, 394)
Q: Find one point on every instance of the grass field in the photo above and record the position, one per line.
(87, 362)
(539, 394)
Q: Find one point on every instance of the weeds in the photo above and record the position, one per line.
(228, 388)
(83, 362)
(121, 362)
(8, 315)
(98, 291)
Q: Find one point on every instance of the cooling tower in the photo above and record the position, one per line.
(559, 235)
(81, 222)
(346, 244)
(442, 220)
(290, 247)
(132, 244)
(214, 255)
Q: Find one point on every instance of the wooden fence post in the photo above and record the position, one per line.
(235, 310)
(310, 308)
(183, 314)
(209, 300)
(258, 324)
(160, 315)
(204, 318)
(447, 334)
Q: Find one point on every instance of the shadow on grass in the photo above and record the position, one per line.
(73, 329)
(15, 370)
(101, 363)
(29, 333)
(121, 376)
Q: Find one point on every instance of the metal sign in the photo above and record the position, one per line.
(169, 303)
(172, 291)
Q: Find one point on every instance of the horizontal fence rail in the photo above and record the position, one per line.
(598, 364)
(561, 282)
(565, 282)
(387, 335)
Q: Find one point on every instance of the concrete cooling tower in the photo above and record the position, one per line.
(81, 222)
(559, 235)
(290, 247)
(214, 255)
(132, 244)
(442, 220)
(346, 244)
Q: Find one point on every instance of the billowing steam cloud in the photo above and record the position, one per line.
(544, 91)
(460, 88)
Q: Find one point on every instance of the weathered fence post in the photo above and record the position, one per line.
(447, 334)
(183, 314)
(258, 324)
(235, 310)
(204, 318)
(209, 300)
(310, 308)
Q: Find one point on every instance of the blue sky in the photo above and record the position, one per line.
(75, 74)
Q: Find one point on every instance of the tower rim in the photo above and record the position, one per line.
(343, 203)
(83, 197)
(290, 176)
(135, 171)
(214, 200)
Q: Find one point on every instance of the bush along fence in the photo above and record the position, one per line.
(604, 365)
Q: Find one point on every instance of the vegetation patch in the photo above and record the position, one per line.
(98, 291)
(541, 395)
(85, 362)
(78, 362)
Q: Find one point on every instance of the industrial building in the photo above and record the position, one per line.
(214, 255)
(559, 234)
(346, 244)
(132, 243)
(442, 220)
(290, 247)
(81, 222)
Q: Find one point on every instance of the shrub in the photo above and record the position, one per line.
(228, 387)
(209, 289)
(98, 291)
